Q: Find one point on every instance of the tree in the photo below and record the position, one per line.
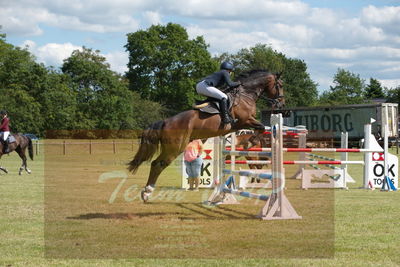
(348, 88)
(300, 89)
(164, 65)
(374, 89)
(23, 110)
(58, 103)
(21, 79)
(146, 111)
(103, 98)
(393, 95)
(260, 56)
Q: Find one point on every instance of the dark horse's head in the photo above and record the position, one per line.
(265, 85)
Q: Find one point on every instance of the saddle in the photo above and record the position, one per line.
(211, 105)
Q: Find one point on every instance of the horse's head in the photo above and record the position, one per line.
(264, 84)
(274, 91)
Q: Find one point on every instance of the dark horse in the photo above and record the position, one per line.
(254, 140)
(173, 134)
(21, 143)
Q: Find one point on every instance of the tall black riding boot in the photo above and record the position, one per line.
(5, 147)
(223, 104)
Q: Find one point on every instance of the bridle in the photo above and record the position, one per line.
(275, 101)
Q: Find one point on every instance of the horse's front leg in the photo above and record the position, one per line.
(258, 126)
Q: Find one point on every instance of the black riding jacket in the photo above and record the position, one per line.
(220, 78)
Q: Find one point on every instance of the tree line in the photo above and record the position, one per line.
(164, 66)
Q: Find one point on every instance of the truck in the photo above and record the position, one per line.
(328, 122)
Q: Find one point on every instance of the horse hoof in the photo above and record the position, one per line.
(145, 196)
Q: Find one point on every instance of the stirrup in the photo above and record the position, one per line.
(231, 120)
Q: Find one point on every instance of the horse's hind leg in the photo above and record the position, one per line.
(168, 154)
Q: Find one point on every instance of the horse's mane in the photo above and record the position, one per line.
(251, 74)
(251, 78)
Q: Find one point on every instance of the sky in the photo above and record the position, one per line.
(361, 36)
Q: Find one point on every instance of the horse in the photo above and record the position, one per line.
(173, 134)
(21, 143)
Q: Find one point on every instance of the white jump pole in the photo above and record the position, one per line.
(278, 206)
(344, 143)
(367, 156)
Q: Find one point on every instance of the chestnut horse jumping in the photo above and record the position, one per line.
(173, 134)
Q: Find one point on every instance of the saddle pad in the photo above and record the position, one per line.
(11, 139)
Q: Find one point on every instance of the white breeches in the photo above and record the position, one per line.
(5, 135)
(204, 89)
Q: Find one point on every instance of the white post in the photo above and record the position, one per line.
(394, 122)
(302, 143)
(217, 161)
(385, 149)
(278, 206)
(233, 157)
(385, 157)
(386, 146)
(344, 143)
(367, 155)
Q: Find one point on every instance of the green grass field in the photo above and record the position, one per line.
(79, 210)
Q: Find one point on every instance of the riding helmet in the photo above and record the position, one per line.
(227, 66)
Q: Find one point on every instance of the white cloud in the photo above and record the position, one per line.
(381, 16)
(235, 9)
(153, 18)
(300, 35)
(118, 61)
(322, 17)
(51, 54)
(226, 40)
(21, 22)
(387, 19)
(24, 17)
(390, 83)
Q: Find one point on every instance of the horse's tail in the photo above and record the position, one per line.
(30, 148)
(148, 145)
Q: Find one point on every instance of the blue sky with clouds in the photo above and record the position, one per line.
(362, 36)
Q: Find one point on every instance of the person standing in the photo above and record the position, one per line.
(193, 161)
(4, 129)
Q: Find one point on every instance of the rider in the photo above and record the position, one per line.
(208, 87)
(4, 129)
